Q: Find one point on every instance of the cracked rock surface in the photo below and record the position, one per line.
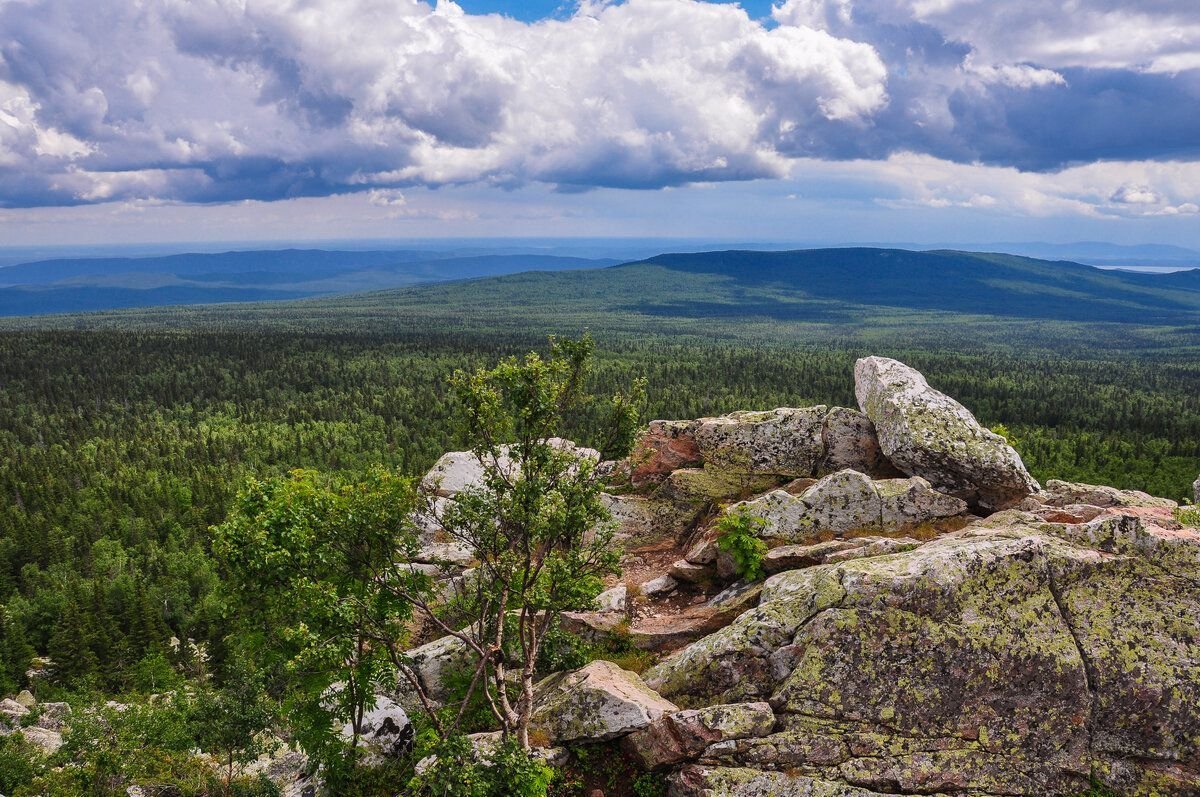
(1014, 657)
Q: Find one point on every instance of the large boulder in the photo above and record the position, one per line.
(926, 433)
(595, 703)
(1015, 657)
(783, 442)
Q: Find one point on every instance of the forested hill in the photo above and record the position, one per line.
(89, 284)
(964, 282)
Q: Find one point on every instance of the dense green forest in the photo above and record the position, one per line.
(119, 449)
(125, 436)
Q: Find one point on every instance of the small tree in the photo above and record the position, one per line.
(230, 721)
(537, 525)
(304, 557)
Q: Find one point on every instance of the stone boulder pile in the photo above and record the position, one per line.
(933, 621)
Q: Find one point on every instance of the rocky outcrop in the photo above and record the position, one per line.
(595, 703)
(926, 433)
(786, 443)
(1014, 657)
(1064, 494)
(850, 501)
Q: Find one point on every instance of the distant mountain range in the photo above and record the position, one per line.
(836, 285)
(84, 284)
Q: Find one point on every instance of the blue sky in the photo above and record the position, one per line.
(865, 120)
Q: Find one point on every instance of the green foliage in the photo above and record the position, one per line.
(649, 784)
(539, 529)
(232, 720)
(738, 534)
(20, 763)
(1188, 515)
(306, 558)
(508, 771)
(604, 767)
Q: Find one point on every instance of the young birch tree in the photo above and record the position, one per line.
(541, 534)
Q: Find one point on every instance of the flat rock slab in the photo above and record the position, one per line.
(926, 433)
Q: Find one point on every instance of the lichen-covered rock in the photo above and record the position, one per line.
(612, 600)
(849, 501)
(643, 520)
(48, 741)
(850, 442)
(53, 716)
(699, 781)
(711, 484)
(783, 442)
(432, 663)
(26, 698)
(684, 735)
(1061, 494)
(1196, 491)
(595, 703)
(926, 433)
(1014, 657)
(794, 557)
(11, 712)
(910, 502)
(665, 447)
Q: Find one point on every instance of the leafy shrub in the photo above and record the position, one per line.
(1188, 515)
(459, 772)
(20, 763)
(738, 535)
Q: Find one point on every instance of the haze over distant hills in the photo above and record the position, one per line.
(84, 284)
(841, 292)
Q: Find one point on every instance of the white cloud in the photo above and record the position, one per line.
(276, 98)
(1098, 190)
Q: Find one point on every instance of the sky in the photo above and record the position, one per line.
(833, 120)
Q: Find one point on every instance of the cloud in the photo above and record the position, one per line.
(1104, 190)
(215, 100)
(223, 100)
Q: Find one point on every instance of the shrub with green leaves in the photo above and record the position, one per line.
(738, 535)
(458, 771)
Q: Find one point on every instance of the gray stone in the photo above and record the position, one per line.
(612, 600)
(657, 587)
(1063, 494)
(784, 442)
(46, 740)
(595, 703)
(926, 433)
(850, 442)
(385, 728)
(849, 501)
(684, 570)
